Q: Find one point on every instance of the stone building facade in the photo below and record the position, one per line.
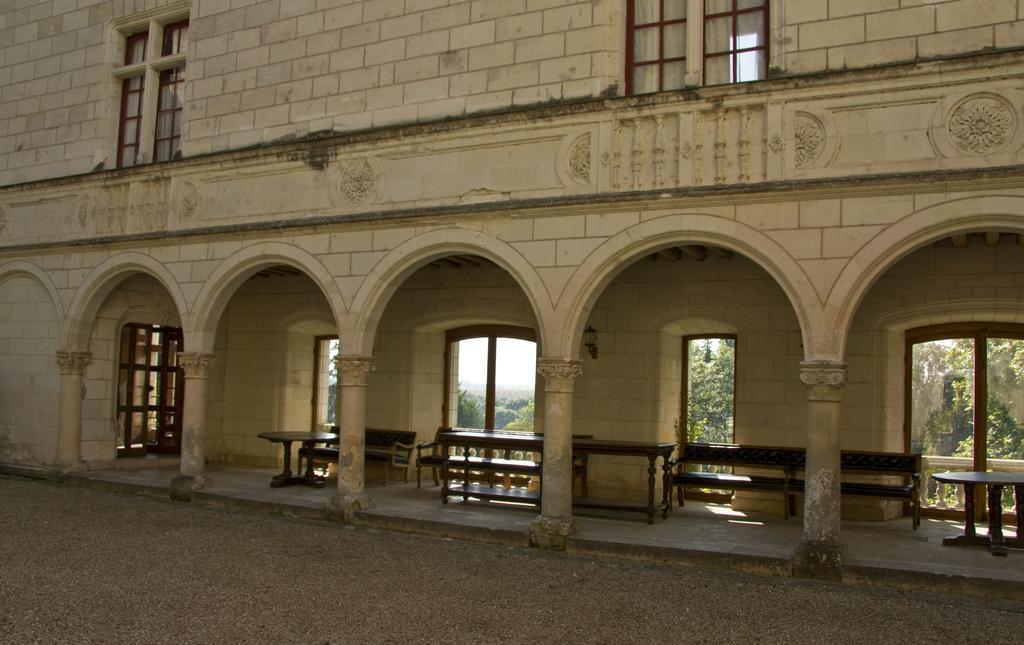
(262, 174)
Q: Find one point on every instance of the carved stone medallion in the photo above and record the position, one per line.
(355, 181)
(809, 139)
(981, 125)
(579, 159)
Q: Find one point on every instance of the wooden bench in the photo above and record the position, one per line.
(904, 466)
(390, 448)
(788, 462)
(782, 462)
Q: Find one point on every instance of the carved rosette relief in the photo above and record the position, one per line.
(559, 374)
(353, 370)
(579, 159)
(72, 362)
(825, 380)
(356, 180)
(981, 125)
(809, 139)
(195, 364)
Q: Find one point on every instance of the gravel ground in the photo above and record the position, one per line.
(87, 566)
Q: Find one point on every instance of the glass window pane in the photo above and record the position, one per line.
(718, 35)
(163, 150)
(717, 6)
(750, 66)
(675, 9)
(675, 41)
(710, 388)
(717, 70)
(1005, 412)
(515, 376)
(164, 125)
(470, 362)
(646, 11)
(645, 79)
(942, 398)
(645, 45)
(749, 30)
(674, 75)
(750, 4)
(132, 104)
(138, 430)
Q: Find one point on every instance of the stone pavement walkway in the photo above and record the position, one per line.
(87, 566)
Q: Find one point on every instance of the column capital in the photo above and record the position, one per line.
(825, 380)
(353, 370)
(559, 373)
(195, 364)
(73, 362)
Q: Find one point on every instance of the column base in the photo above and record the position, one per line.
(183, 487)
(551, 533)
(344, 507)
(819, 560)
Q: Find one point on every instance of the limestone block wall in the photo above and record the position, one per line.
(29, 376)
(838, 35)
(938, 284)
(406, 390)
(58, 101)
(269, 329)
(262, 71)
(631, 391)
(138, 299)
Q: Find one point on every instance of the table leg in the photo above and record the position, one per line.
(1018, 494)
(995, 520)
(309, 478)
(651, 469)
(970, 536)
(666, 487)
(285, 478)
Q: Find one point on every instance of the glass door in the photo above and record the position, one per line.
(149, 391)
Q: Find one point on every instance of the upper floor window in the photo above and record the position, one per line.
(154, 59)
(672, 44)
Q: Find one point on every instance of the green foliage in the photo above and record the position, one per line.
(524, 419)
(710, 387)
(471, 410)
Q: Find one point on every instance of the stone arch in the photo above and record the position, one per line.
(972, 214)
(27, 269)
(618, 252)
(102, 280)
(401, 262)
(239, 267)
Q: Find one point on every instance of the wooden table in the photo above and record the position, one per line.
(309, 439)
(649, 449)
(995, 483)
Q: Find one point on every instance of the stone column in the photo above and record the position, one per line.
(820, 553)
(192, 475)
(351, 419)
(69, 427)
(555, 524)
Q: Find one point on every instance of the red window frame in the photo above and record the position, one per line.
(127, 151)
(733, 52)
(169, 104)
(632, 27)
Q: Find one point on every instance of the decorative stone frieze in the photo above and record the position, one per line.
(73, 362)
(981, 125)
(354, 370)
(825, 380)
(196, 365)
(559, 374)
(808, 139)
